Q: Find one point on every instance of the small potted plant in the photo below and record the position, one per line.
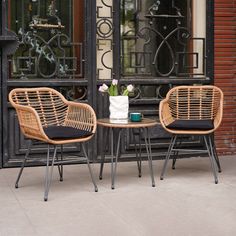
(119, 102)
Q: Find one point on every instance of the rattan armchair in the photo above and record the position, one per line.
(192, 110)
(45, 115)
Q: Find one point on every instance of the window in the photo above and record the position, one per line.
(163, 38)
(51, 35)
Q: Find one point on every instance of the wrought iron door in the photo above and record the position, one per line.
(76, 45)
(155, 45)
(49, 42)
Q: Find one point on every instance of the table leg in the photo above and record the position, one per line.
(112, 156)
(113, 175)
(149, 153)
(103, 151)
(138, 155)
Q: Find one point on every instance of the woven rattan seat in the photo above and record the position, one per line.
(192, 110)
(44, 114)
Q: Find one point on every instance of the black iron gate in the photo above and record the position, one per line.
(52, 39)
(76, 45)
(155, 45)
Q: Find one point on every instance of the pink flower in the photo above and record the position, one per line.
(114, 82)
(113, 90)
(103, 88)
(130, 88)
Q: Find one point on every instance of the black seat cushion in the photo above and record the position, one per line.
(64, 132)
(191, 125)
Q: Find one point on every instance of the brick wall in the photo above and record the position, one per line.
(225, 69)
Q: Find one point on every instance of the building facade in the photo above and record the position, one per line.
(76, 45)
(224, 70)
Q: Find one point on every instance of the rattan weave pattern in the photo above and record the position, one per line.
(38, 108)
(192, 103)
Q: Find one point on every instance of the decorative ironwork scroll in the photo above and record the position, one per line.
(46, 38)
(74, 93)
(157, 40)
(104, 39)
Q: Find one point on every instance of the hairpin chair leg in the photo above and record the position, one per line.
(60, 166)
(48, 176)
(212, 160)
(149, 153)
(23, 163)
(172, 143)
(176, 154)
(217, 159)
(215, 154)
(89, 167)
(174, 161)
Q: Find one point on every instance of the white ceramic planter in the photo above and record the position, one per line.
(119, 107)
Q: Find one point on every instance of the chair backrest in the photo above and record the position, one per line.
(48, 103)
(195, 102)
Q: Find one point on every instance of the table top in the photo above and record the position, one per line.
(145, 122)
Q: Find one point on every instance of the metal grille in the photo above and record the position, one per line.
(104, 39)
(157, 40)
(48, 46)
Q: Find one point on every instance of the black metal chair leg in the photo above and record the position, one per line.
(60, 165)
(212, 160)
(173, 162)
(217, 159)
(23, 163)
(89, 167)
(176, 154)
(172, 143)
(101, 169)
(46, 172)
(61, 174)
(48, 176)
(215, 155)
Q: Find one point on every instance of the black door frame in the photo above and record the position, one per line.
(208, 79)
(8, 44)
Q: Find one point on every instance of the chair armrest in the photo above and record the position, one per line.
(165, 115)
(81, 116)
(219, 116)
(30, 123)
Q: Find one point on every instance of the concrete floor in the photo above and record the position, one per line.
(186, 202)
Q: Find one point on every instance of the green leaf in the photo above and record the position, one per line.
(113, 90)
(125, 93)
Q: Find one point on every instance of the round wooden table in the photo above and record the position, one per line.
(121, 125)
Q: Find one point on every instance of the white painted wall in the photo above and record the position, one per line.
(104, 45)
(199, 28)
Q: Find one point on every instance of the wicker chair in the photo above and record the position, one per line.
(45, 115)
(192, 110)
